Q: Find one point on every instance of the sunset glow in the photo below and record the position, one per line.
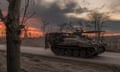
(105, 34)
(115, 17)
(32, 32)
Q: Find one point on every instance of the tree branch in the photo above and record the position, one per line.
(25, 11)
(9, 1)
(25, 20)
(1, 15)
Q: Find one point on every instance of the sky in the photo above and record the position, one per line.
(85, 5)
(59, 11)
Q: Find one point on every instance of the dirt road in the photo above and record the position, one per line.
(105, 58)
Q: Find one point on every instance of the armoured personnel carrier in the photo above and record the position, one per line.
(73, 44)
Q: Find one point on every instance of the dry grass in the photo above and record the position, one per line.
(33, 63)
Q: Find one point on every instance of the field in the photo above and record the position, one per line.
(33, 63)
(113, 43)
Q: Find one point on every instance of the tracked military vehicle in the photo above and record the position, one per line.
(73, 44)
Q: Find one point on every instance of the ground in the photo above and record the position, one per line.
(33, 63)
(112, 45)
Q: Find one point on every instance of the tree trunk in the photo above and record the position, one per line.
(13, 52)
(13, 32)
(25, 34)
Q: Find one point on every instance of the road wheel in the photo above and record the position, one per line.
(61, 51)
(90, 52)
(82, 53)
(76, 52)
(96, 54)
(68, 52)
(55, 50)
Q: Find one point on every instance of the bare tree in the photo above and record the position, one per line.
(71, 26)
(79, 26)
(98, 19)
(61, 27)
(13, 32)
(65, 26)
(26, 31)
(44, 25)
(26, 16)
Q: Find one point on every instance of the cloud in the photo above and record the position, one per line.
(114, 6)
(55, 11)
(51, 10)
